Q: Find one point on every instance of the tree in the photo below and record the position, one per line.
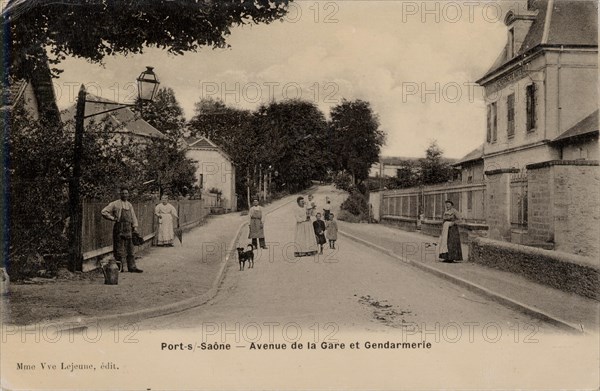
(165, 114)
(167, 164)
(433, 168)
(356, 137)
(163, 160)
(226, 126)
(36, 188)
(291, 140)
(407, 175)
(99, 28)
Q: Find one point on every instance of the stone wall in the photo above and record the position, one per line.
(498, 203)
(404, 223)
(559, 270)
(539, 196)
(577, 209)
(564, 206)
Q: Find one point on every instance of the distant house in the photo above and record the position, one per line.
(391, 165)
(471, 166)
(127, 127)
(215, 169)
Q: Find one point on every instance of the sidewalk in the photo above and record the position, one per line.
(171, 275)
(511, 289)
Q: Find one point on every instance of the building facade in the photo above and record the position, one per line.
(215, 169)
(543, 83)
(542, 128)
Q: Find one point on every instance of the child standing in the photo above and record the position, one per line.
(327, 210)
(331, 230)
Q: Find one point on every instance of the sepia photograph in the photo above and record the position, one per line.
(300, 195)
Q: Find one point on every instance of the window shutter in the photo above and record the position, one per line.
(489, 123)
(510, 105)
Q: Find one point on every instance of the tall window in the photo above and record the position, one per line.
(530, 93)
(492, 123)
(510, 104)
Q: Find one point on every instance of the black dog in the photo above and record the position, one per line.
(247, 255)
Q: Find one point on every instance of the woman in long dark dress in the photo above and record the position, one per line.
(450, 249)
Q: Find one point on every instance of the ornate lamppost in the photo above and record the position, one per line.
(147, 84)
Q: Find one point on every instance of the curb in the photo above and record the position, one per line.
(79, 324)
(501, 299)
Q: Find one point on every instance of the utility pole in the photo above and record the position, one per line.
(381, 174)
(260, 178)
(248, 185)
(75, 207)
(265, 185)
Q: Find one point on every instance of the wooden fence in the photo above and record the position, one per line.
(97, 231)
(468, 198)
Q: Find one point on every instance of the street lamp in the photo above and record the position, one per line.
(147, 87)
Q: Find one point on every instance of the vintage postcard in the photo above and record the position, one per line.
(308, 194)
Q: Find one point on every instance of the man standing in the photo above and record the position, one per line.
(121, 212)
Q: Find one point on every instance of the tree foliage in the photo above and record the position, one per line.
(94, 29)
(356, 137)
(292, 134)
(294, 140)
(433, 168)
(408, 175)
(228, 127)
(37, 172)
(166, 163)
(165, 114)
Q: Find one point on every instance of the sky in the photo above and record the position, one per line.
(416, 62)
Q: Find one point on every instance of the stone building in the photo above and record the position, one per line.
(541, 153)
(543, 83)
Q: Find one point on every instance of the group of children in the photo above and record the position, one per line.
(325, 230)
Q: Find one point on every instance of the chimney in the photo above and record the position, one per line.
(518, 19)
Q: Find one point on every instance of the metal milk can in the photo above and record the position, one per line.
(111, 273)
